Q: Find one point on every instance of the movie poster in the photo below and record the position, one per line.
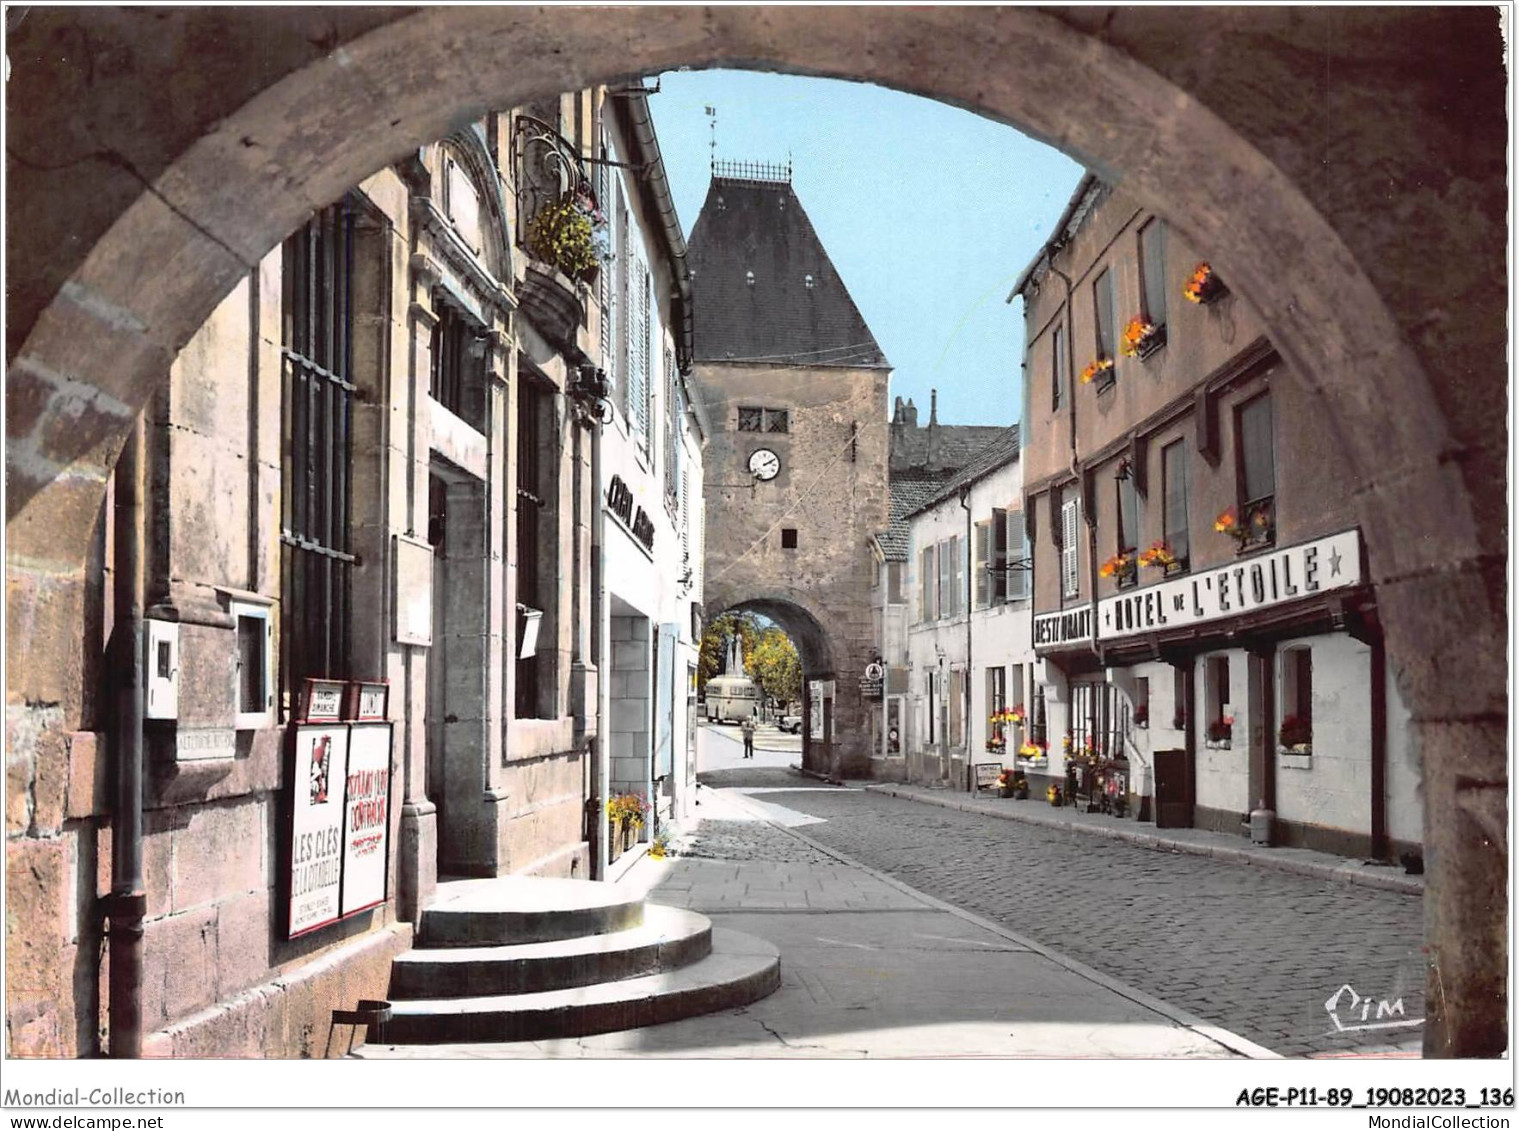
(366, 822)
(316, 840)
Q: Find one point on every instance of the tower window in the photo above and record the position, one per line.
(788, 537)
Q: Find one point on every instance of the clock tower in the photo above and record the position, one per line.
(796, 468)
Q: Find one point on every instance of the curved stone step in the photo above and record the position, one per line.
(668, 938)
(739, 970)
(510, 910)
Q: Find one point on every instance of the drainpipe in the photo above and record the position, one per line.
(127, 904)
(970, 667)
(601, 630)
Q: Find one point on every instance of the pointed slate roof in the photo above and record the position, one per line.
(759, 227)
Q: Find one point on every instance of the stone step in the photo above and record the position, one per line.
(740, 969)
(668, 938)
(511, 910)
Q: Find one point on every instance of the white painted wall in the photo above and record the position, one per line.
(1223, 776)
(1333, 789)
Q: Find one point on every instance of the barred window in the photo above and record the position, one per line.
(753, 419)
(317, 352)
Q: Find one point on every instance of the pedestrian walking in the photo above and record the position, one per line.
(748, 728)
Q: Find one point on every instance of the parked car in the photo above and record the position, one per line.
(791, 724)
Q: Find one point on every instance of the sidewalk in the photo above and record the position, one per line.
(872, 968)
(1195, 842)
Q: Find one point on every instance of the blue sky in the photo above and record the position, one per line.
(928, 212)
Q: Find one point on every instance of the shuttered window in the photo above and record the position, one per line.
(639, 391)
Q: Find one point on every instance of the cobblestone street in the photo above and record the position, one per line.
(1254, 951)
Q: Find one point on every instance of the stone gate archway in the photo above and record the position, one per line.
(1346, 165)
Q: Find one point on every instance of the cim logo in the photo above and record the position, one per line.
(1359, 1013)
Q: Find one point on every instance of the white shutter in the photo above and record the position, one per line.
(1068, 578)
(1017, 551)
(641, 406)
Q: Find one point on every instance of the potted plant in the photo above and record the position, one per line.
(625, 815)
(1141, 338)
(1142, 715)
(1120, 567)
(1095, 369)
(1204, 285)
(1158, 555)
(1054, 796)
(561, 235)
(1295, 735)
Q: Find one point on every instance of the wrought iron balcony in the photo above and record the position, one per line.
(558, 214)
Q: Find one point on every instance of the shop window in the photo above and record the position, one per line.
(1220, 715)
(1295, 731)
(1257, 473)
(1105, 321)
(1142, 701)
(788, 537)
(1152, 259)
(1173, 471)
(317, 333)
(1038, 724)
(1015, 687)
(894, 727)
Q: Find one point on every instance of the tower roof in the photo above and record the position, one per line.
(764, 288)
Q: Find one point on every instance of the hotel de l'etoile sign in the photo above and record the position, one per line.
(1242, 587)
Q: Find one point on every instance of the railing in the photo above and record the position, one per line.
(764, 171)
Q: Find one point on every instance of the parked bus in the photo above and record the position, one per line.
(732, 699)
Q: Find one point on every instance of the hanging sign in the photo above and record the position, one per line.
(316, 841)
(366, 816)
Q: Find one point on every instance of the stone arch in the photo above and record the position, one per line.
(154, 156)
(800, 623)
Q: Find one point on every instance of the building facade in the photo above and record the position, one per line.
(796, 467)
(1207, 637)
(967, 633)
(405, 450)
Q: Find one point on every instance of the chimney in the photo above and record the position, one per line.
(932, 463)
(910, 414)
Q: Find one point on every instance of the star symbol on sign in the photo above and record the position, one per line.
(1334, 562)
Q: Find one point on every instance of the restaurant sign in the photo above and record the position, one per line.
(1259, 582)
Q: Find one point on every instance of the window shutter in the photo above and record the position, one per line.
(999, 575)
(642, 345)
(1068, 579)
(1017, 551)
(983, 575)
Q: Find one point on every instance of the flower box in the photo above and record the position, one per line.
(1219, 744)
(1204, 287)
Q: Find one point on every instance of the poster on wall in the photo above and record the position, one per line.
(366, 818)
(316, 838)
(815, 702)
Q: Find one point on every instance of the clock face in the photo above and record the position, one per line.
(764, 464)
